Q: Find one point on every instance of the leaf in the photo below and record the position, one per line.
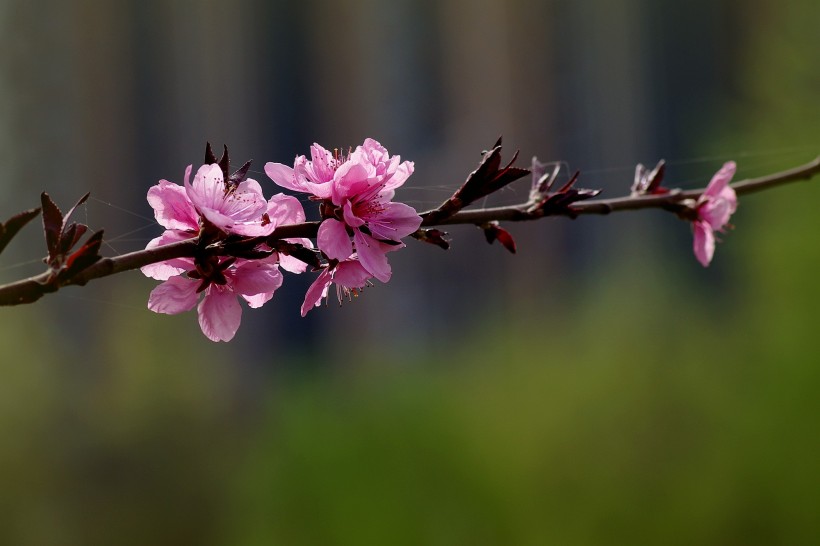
(72, 209)
(85, 256)
(494, 232)
(14, 224)
(239, 175)
(560, 201)
(486, 179)
(649, 182)
(210, 158)
(434, 237)
(52, 225)
(224, 162)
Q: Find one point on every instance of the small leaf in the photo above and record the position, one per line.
(649, 182)
(14, 224)
(72, 209)
(434, 237)
(486, 179)
(239, 175)
(493, 232)
(84, 257)
(210, 158)
(52, 225)
(224, 162)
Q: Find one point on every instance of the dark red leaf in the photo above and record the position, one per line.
(210, 158)
(85, 256)
(560, 201)
(67, 239)
(14, 224)
(224, 163)
(71, 210)
(486, 179)
(239, 175)
(52, 224)
(434, 237)
(493, 232)
(80, 230)
(649, 182)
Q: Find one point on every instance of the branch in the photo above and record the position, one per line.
(31, 289)
(518, 213)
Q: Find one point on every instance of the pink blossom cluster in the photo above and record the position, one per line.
(355, 192)
(360, 225)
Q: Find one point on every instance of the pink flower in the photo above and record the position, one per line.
(357, 191)
(350, 278)
(242, 210)
(220, 209)
(222, 281)
(714, 208)
(312, 176)
(209, 200)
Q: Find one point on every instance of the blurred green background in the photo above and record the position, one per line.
(599, 387)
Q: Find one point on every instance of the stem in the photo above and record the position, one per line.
(32, 288)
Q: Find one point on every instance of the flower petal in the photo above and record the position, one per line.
(333, 240)
(284, 210)
(720, 180)
(282, 175)
(170, 268)
(351, 274)
(172, 208)
(256, 277)
(717, 211)
(704, 242)
(219, 314)
(176, 295)
(397, 220)
(316, 291)
(373, 255)
(291, 264)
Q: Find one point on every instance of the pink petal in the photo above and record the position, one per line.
(282, 175)
(717, 211)
(401, 175)
(333, 240)
(352, 178)
(316, 291)
(219, 314)
(704, 242)
(172, 208)
(256, 277)
(720, 180)
(372, 255)
(285, 210)
(176, 295)
(350, 217)
(322, 164)
(208, 188)
(170, 268)
(291, 264)
(397, 220)
(351, 274)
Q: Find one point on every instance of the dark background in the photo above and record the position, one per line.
(599, 387)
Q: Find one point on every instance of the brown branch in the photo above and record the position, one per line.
(32, 288)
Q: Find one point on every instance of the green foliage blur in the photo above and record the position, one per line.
(653, 403)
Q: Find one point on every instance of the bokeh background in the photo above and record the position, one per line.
(600, 387)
